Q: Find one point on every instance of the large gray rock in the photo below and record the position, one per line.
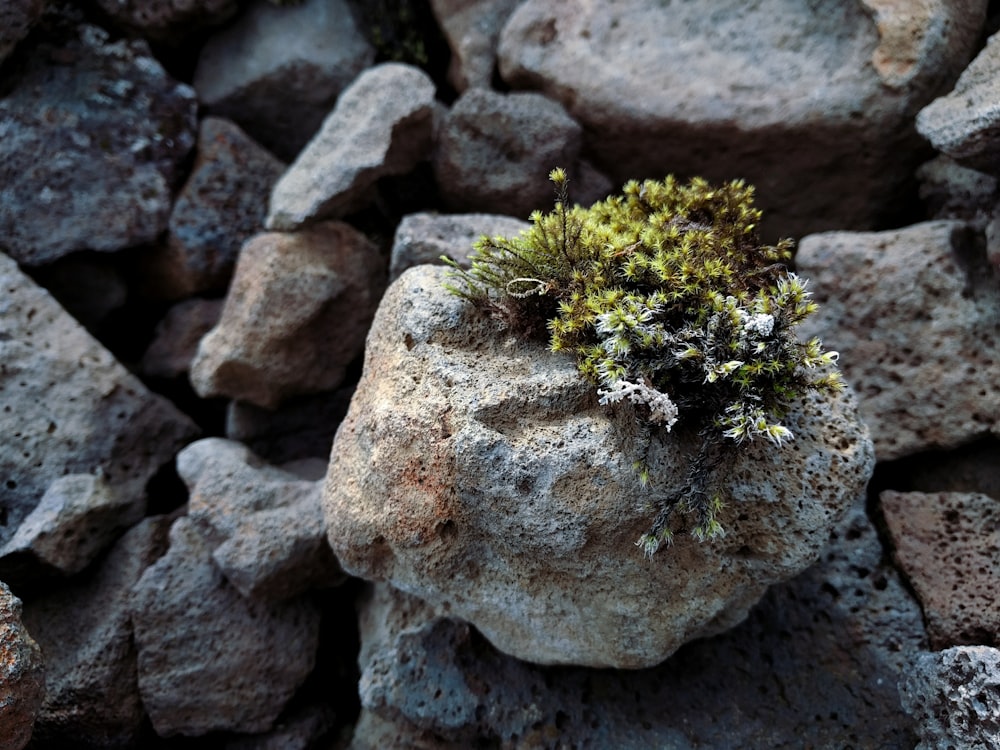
(208, 658)
(75, 417)
(913, 314)
(847, 624)
(85, 632)
(296, 315)
(94, 134)
(279, 69)
(494, 151)
(22, 675)
(781, 93)
(965, 124)
(477, 471)
(955, 697)
(16, 19)
(472, 28)
(382, 125)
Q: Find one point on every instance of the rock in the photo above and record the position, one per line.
(94, 136)
(946, 543)
(85, 632)
(277, 71)
(16, 19)
(457, 477)
(266, 524)
(955, 697)
(304, 730)
(222, 205)
(175, 341)
(847, 624)
(208, 658)
(965, 124)
(296, 315)
(167, 21)
(494, 151)
(951, 191)
(425, 237)
(382, 125)
(913, 314)
(22, 675)
(776, 92)
(68, 408)
(472, 28)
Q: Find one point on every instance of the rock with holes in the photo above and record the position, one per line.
(478, 471)
(946, 543)
(954, 695)
(22, 675)
(82, 435)
(812, 103)
(913, 314)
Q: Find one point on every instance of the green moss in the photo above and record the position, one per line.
(670, 304)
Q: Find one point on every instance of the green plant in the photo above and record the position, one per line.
(670, 303)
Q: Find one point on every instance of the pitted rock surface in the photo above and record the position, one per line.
(478, 472)
(913, 313)
(22, 675)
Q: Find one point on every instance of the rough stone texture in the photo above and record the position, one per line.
(472, 28)
(847, 625)
(277, 71)
(168, 21)
(222, 205)
(494, 151)
(951, 191)
(304, 730)
(68, 408)
(955, 697)
(22, 675)
(208, 658)
(16, 19)
(425, 237)
(295, 316)
(91, 139)
(176, 338)
(781, 93)
(382, 125)
(913, 314)
(478, 470)
(85, 632)
(266, 524)
(946, 544)
(965, 124)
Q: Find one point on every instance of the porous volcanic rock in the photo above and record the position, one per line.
(913, 314)
(22, 675)
(783, 94)
(478, 471)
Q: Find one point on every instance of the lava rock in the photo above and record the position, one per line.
(22, 675)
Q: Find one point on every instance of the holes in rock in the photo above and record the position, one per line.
(408, 342)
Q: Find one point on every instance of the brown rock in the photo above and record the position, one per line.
(22, 675)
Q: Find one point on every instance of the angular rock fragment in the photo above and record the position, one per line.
(382, 125)
(22, 675)
(477, 471)
(913, 314)
(296, 315)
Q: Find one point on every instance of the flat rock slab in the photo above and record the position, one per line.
(477, 471)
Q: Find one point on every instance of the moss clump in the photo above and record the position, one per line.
(670, 303)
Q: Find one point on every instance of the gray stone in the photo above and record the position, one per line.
(946, 543)
(85, 632)
(955, 697)
(208, 658)
(965, 124)
(92, 138)
(782, 94)
(16, 19)
(168, 21)
(951, 191)
(278, 70)
(382, 125)
(68, 408)
(22, 675)
(176, 338)
(913, 314)
(847, 624)
(295, 317)
(477, 470)
(424, 237)
(303, 730)
(494, 151)
(221, 206)
(472, 28)
(266, 524)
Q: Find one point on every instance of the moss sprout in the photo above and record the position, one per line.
(670, 304)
